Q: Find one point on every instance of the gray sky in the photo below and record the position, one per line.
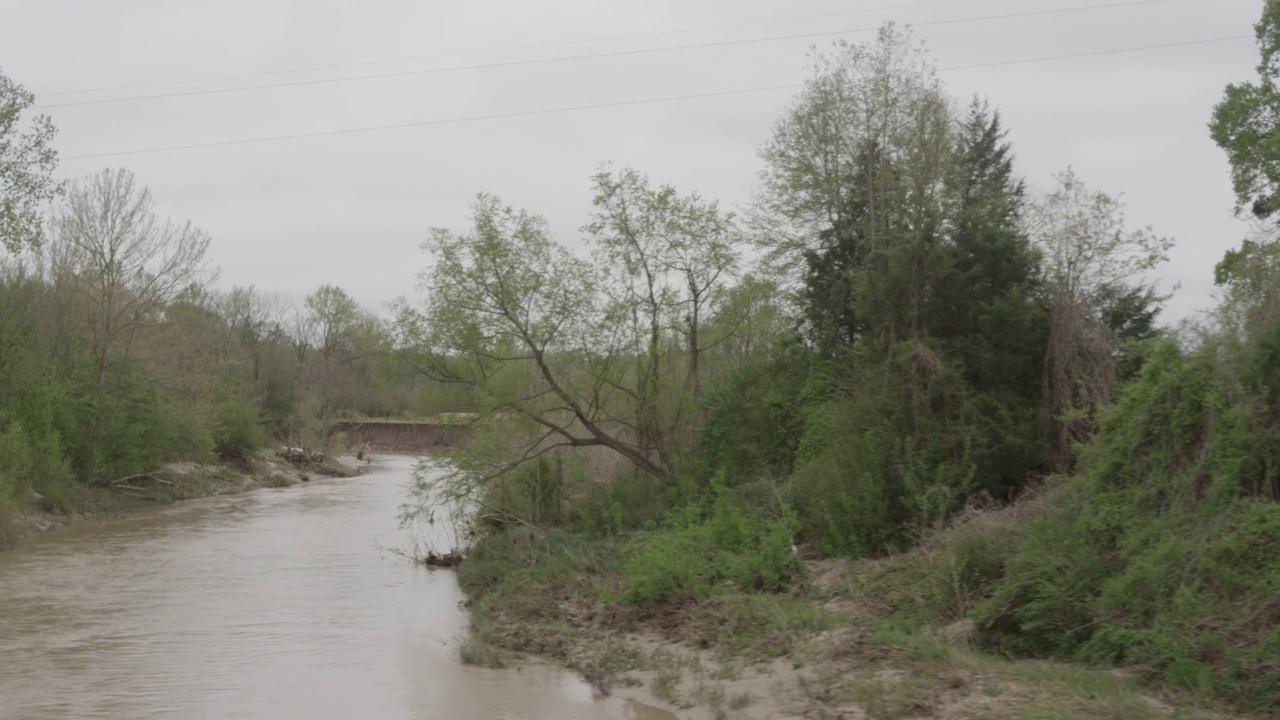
(352, 209)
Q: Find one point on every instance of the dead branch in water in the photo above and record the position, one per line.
(453, 558)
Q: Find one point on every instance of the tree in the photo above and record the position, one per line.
(26, 169)
(852, 188)
(983, 307)
(257, 320)
(1246, 124)
(334, 316)
(513, 315)
(120, 260)
(1094, 268)
(350, 343)
(668, 258)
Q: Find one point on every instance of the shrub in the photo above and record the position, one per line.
(693, 557)
(16, 464)
(1164, 552)
(237, 429)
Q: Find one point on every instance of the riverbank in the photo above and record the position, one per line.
(170, 483)
(829, 646)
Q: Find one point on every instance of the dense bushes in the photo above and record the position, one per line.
(1164, 553)
(700, 552)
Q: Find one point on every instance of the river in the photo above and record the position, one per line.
(277, 603)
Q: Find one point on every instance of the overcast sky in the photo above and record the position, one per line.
(352, 209)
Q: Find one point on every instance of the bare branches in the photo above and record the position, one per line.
(125, 264)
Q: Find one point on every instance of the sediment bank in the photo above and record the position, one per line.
(821, 649)
(405, 436)
(170, 483)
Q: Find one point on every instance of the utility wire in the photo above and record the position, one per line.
(535, 46)
(591, 56)
(622, 103)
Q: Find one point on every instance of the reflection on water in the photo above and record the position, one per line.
(272, 604)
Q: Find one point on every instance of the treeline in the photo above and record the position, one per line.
(117, 353)
(922, 335)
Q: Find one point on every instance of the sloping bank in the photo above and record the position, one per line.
(714, 616)
(170, 483)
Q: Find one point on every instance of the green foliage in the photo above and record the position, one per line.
(16, 464)
(237, 430)
(1165, 552)
(531, 492)
(35, 463)
(1244, 124)
(756, 418)
(697, 554)
(606, 509)
(903, 446)
(27, 161)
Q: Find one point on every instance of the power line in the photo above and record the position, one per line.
(512, 48)
(623, 103)
(591, 56)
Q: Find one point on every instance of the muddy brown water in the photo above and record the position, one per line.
(271, 604)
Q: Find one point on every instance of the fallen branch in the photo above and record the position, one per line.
(122, 481)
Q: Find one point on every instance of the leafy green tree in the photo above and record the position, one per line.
(988, 276)
(513, 315)
(27, 162)
(667, 259)
(1245, 124)
(334, 316)
(852, 188)
(919, 284)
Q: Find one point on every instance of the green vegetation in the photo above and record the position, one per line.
(953, 381)
(950, 381)
(117, 358)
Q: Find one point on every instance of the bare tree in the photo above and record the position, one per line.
(256, 319)
(121, 261)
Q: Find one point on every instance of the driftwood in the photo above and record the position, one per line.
(122, 482)
(453, 558)
(301, 456)
(449, 559)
